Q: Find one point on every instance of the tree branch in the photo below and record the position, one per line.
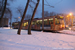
(48, 4)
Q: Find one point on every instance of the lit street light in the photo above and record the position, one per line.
(18, 18)
(67, 16)
(69, 19)
(70, 14)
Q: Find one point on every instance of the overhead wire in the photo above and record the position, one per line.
(48, 4)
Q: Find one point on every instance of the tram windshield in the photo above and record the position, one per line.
(59, 21)
(62, 22)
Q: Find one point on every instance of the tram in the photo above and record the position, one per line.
(52, 23)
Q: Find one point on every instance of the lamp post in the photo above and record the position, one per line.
(70, 14)
(42, 15)
(70, 18)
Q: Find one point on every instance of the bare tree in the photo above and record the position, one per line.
(4, 7)
(29, 25)
(28, 17)
(16, 19)
(52, 14)
(0, 7)
(12, 0)
(48, 4)
(69, 20)
(46, 14)
(8, 11)
(20, 11)
(20, 26)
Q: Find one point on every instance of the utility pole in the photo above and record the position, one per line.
(42, 15)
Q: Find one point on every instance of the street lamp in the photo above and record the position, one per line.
(70, 14)
(67, 16)
(18, 18)
(69, 19)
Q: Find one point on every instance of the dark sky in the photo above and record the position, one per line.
(60, 6)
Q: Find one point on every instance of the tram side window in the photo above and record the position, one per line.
(34, 23)
(50, 21)
(39, 22)
(25, 24)
(45, 22)
(15, 24)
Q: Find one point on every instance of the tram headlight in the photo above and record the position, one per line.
(60, 26)
(66, 25)
(69, 28)
(63, 26)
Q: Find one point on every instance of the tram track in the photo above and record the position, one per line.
(58, 32)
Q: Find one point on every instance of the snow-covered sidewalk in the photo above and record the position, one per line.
(9, 40)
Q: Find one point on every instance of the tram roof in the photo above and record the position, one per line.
(59, 17)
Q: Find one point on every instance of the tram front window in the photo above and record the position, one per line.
(62, 23)
(57, 22)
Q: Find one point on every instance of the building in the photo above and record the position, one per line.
(4, 22)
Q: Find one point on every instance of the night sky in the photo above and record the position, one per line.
(60, 6)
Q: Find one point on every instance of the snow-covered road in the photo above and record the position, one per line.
(9, 40)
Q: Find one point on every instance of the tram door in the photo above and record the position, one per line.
(52, 23)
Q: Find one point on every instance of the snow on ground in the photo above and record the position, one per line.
(4, 27)
(9, 40)
(70, 32)
(73, 28)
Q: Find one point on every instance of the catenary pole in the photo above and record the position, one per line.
(42, 15)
